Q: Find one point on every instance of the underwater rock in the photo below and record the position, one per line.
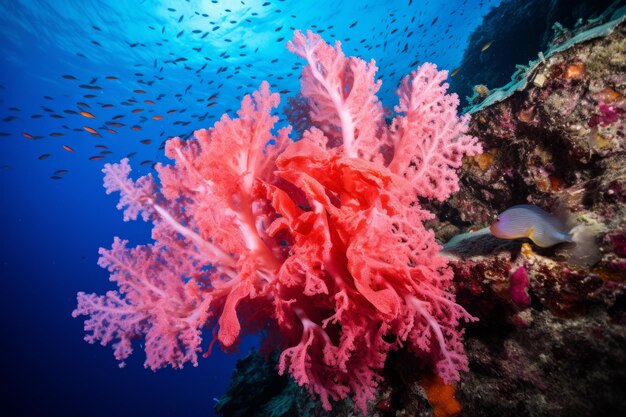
(559, 144)
(502, 27)
(257, 390)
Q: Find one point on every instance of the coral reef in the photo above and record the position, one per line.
(537, 20)
(552, 332)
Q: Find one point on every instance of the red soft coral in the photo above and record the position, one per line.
(318, 243)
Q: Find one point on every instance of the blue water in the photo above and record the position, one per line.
(52, 229)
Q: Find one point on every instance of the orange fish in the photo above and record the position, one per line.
(149, 102)
(136, 127)
(87, 114)
(67, 148)
(27, 135)
(56, 134)
(90, 130)
(96, 157)
(116, 124)
(157, 117)
(139, 91)
(137, 110)
(111, 131)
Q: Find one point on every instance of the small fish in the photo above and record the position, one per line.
(43, 156)
(90, 130)
(96, 158)
(455, 72)
(146, 141)
(69, 77)
(545, 230)
(111, 131)
(56, 134)
(135, 127)
(139, 91)
(61, 171)
(528, 221)
(90, 87)
(102, 147)
(67, 148)
(111, 77)
(146, 162)
(137, 110)
(157, 117)
(27, 135)
(55, 177)
(149, 102)
(486, 46)
(87, 114)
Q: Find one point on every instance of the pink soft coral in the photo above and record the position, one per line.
(317, 243)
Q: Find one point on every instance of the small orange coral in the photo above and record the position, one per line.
(440, 396)
(575, 71)
(484, 160)
(607, 95)
(556, 182)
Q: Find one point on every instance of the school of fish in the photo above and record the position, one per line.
(401, 31)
